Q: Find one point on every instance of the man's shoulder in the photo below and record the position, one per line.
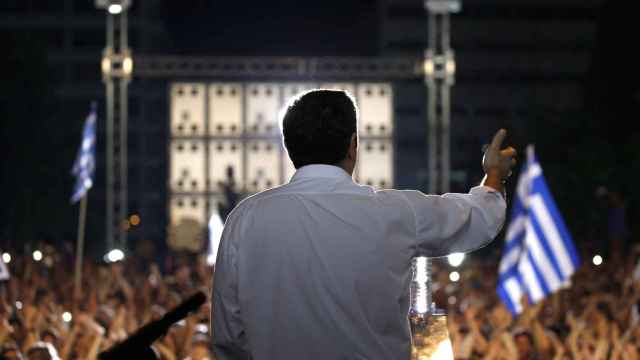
(395, 193)
(353, 189)
(251, 200)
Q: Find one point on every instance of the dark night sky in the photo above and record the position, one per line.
(281, 27)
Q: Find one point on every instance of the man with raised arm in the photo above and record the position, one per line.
(320, 268)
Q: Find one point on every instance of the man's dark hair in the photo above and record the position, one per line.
(317, 127)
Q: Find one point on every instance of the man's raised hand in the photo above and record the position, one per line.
(499, 161)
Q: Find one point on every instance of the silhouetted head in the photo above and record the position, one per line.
(320, 127)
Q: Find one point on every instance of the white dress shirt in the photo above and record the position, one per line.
(320, 268)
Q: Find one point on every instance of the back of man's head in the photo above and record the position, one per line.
(318, 126)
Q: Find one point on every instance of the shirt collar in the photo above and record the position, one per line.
(320, 171)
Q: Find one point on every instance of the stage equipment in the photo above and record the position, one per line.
(439, 74)
(218, 126)
(117, 67)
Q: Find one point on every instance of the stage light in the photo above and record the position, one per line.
(134, 219)
(114, 255)
(443, 6)
(127, 65)
(597, 260)
(66, 316)
(6, 257)
(428, 67)
(105, 65)
(455, 259)
(454, 276)
(37, 255)
(115, 9)
(450, 66)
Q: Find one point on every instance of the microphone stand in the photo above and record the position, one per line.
(138, 345)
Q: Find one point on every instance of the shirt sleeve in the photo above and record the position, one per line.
(229, 340)
(456, 222)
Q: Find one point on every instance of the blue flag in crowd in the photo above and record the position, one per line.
(85, 163)
(539, 256)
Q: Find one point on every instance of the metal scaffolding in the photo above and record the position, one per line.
(117, 66)
(280, 68)
(439, 74)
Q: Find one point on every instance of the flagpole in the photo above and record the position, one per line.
(80, 246)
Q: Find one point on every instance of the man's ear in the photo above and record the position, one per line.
(353, 146)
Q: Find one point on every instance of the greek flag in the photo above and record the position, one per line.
(85, 164)
(539, 257)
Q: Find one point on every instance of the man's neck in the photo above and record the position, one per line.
(346, 167)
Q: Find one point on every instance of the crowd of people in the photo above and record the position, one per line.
(595, 317)
(40, 318)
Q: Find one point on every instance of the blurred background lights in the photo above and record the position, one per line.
(450, 66)
(105, 65)
(454, 276)
(134, 219)
(66, 316)
(127, 65)
(455, 259)
(6, 257)
(37, 255)
(115, 255)
(597, 260)
(115, 9)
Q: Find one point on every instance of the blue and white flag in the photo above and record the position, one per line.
(85, 164)
(539, 256)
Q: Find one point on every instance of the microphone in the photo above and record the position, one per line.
(138, 344)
